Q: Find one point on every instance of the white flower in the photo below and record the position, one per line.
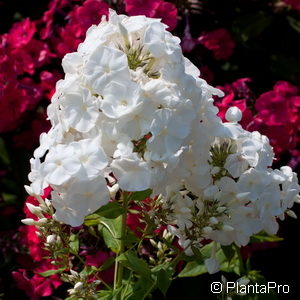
(80, 110)
(132, 108)
(104, 66)
(121, 100)
(133, 174)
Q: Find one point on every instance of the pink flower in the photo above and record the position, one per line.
(295, 4)
(154, 9)
(219, 42)
(278, 116)
(167, 12)
(236, 94)
(98, 260)
(79, 20)
(142, 7)
(37, 286)
(21, 33)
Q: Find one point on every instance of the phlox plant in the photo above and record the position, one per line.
(139, 181)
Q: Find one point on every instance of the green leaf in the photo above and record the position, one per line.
(140, 196)
(162, 274)
(107, 264)
(51, 272)
(130, 260)
(263, 237)
(92, 220)
(111, 210)
(109, 294)
(9, 198)
(111, 232)
(229, 252)
(250, 26)
(286, 67)
(4, 156)
(192, 269)
(295, 24)
(74, 243)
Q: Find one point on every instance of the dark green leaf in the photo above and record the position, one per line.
(111, 232)
(140, 196)
(251, 25)
(111, 210)
(295, 24)
(9, 198)
(192, 269)
(263, 237)
(163, 277)
(228, 251)
(92, 220)
(4, 157)
(74, 243)
(286, 67)
(130, 260)
(51, 272)
(107, 264)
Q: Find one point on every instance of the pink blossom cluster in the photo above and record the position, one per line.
(163, 10)
(29, 67)
(274, 113)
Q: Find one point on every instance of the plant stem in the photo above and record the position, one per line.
(118, 276)
(241, 261)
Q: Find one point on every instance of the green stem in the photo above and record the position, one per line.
(118, 276)
(241, 261)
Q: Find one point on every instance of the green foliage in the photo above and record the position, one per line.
(140, 196)
(295, 24)
(109, 211)
(130, 260)
(111, 230)
(251, 26)
(4, 156)
(74, 243)
(51, 272)
(263, 237)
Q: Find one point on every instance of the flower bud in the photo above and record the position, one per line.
(213, 220)
(36, 210)
(78, 286)
(207, 230)
(28, 221)
(51, 239)
(291, 214)
(227, 228)
(233, 114)
(42, 221)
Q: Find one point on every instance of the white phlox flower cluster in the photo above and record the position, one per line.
(133, 107)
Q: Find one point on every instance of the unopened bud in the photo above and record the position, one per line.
(291, 214)
(36, 210)
(233, 114)
(207, 230)
(74, 273)
(227, 228)
(221, 209)
(215, 170)
(213, 220)
(42, 221)
(51, 239)
(28, 221)
(153, 243)
(78, 286)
